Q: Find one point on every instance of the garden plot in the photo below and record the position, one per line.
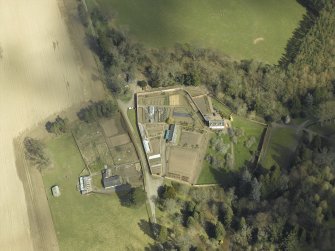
(190, 139)
(112, 127)
(182, 163)
(124, 154)
(155, 100)
(117, 140)
(203, 104)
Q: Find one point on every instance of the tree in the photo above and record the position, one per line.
(190, 221)
(142, 83)
(58, 126)
(83, 15)
(256, 190)
(169, 192)
(163, 234)
(138, 197)
(98, 110)
(34, 152)
(309, 100)
(220, 231)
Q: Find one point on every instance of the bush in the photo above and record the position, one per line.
(142, 83)
(167, 192)
(250, 142)
(58, 126)
(83, 14)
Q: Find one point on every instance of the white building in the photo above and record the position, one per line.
(216, 124)
(55, 191)
(146, 146)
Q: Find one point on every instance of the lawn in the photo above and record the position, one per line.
(283, 143)
(251, 129)
(132, 118)
(93, 222)
(256, 29)
(223, 109)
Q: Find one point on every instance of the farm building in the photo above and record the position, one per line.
(55, 191)
(151, 110)
(85, 184)
(112, 181)
(171, 134)
(156, 156)
(146, 146)
(216, 124)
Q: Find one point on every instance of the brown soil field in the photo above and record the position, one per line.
(174, 100)
(190, 138)
(112, 126)
(155, 145)
(183, 162)
(154, 100)
(119, 140)
(41, 73)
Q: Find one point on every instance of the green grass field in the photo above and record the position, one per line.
(231, 26)
(94, 222)
(283, 143)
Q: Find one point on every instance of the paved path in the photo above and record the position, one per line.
(151, 183)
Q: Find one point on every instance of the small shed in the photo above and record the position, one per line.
(55, 191)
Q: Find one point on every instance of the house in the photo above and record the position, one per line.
(55, 191)
(112, 181)
(85, 184)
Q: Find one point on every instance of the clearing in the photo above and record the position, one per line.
(41, 73)
(256, 29)
(281, 148)
(92, 222)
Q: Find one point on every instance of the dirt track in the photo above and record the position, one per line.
(40, 74)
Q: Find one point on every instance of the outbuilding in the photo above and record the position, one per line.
(55, 191)
(112, 181)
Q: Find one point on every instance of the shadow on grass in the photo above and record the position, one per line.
(283, 155)
(223, 177)
(148, 228)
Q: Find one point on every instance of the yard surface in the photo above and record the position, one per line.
(93, 222)
(256, 29)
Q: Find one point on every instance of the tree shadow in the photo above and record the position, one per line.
(124, 193)
(225, 178)
(150, 229)
(210, 229)
(283, 155)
